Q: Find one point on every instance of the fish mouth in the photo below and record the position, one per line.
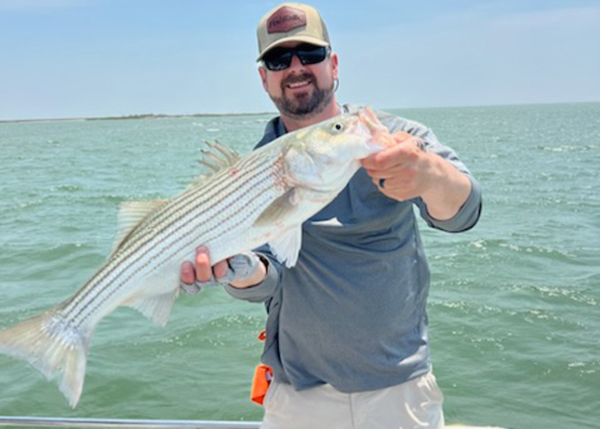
(380, 135)
(367, 117)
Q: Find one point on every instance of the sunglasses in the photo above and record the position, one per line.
(278, 59)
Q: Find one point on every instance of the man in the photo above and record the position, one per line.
(347, 328)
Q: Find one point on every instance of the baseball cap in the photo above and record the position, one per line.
(289, 22)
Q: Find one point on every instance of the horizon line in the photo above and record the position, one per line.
(191, 115)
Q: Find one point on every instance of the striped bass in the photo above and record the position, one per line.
(261, 198)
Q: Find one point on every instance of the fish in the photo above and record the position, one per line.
(261, 198)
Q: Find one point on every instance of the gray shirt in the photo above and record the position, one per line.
(351, 313)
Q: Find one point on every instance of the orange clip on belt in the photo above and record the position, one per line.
(262, 378)
(260, 383)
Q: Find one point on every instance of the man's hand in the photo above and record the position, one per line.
(407, 170)
(402, 171)
(248, 270)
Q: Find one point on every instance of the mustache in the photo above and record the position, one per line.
(293, 78)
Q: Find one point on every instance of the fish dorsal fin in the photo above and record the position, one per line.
(131, 214)
(215, 157)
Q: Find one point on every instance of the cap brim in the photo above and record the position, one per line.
(303, 39)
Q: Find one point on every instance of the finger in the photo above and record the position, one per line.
(397, 192)
(384, 184)
(400, 154)
(385, 159)
(187, 274)
(384, 174)
(400, 174)
(404, 187)
(220, 269)
(203, 271)
(401, 136)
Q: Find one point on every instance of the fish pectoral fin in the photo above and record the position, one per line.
(155, 307)
(131, 214)
(287, 246)
(281, 208)
(156, 294)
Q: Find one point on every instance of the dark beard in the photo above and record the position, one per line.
(303, 107)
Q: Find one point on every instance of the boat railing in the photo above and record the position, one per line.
(46, 422)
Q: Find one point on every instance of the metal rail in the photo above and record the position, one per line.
(44, 422)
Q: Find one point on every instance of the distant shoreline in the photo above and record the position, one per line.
(206, 115)
(128, 117)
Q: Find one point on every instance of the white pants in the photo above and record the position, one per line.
(414, 404)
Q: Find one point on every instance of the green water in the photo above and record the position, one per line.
(514, 304)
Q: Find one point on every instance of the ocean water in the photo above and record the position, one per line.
(514, 304)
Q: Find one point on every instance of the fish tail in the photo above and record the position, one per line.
(53, 346)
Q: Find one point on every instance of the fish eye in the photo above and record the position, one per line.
(338, 126)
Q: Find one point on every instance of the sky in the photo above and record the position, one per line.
(96, 58)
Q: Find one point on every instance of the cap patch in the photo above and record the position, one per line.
(285, 19)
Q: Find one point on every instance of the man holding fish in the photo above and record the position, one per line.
(332, 249)
(346, 336)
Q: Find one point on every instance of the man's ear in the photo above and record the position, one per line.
(334, 65)
(263, 76)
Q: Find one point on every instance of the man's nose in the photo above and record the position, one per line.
(296, 63)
